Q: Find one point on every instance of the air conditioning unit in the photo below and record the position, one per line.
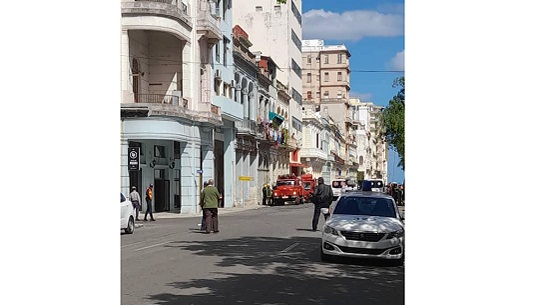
(217, 74)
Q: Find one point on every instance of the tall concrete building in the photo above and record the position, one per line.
(326, 87)
(167, 115)
(275, 29)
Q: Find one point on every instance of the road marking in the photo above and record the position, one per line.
(152, 246)
(289, 247)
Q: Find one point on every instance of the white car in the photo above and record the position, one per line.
(364, 225)
(127, 215)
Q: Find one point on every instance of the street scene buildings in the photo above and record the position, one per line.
(227, 89)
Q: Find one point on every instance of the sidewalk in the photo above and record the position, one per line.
(221, 211)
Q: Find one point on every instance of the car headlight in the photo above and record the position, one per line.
(330, 230)
(294, 193)
(396, 234)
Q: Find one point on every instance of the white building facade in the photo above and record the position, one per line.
(166, 108)
(275, 29)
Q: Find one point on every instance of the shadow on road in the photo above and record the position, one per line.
(268, 270)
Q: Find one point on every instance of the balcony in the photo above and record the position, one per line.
(173, 9)
(159, 99)
(246, 127)
(208, 20)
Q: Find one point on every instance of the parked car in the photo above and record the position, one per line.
(127, 215)
(364, 225)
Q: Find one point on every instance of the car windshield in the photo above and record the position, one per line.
(285, 182)
(122, 198)
(365, 206)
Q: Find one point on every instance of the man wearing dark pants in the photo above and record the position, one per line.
(322, 198)
(149, 197)
(210, 197)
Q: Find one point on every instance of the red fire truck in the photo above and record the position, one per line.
(292, 188)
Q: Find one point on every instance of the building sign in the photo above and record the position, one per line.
(133, 158)
(244, 178)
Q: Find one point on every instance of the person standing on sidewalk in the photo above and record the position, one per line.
(203, 220)
(136, 201)
(322, 198)
(149, 197)
(210, 197)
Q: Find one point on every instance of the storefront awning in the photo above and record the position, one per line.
(276, 118)
(294, 164)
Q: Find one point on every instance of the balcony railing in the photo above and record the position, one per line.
(174, 9)
(157, 99)
(176, 3)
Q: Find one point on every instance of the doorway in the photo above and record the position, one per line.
(161, 195)
(219, 170)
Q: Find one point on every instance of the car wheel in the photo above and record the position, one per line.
(325, 257)
(131, 225)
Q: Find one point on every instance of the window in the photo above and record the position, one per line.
(309, 95)
(325, 59)
(159, 151)
(218, 53)
(296, 68)
(326, 93)
(339, 94)
(326, 76)
(309, 77)
(317, 140)
(226, 43)
(176, 150)
(296, 13)
(296, 40)
(309, 59)
(317, 94)
(258, 8)
(339, 76)
(340, 58)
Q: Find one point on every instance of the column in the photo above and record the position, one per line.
(124, 173)
(238, 94)
(189, 177)
(229, 160)
(126, 75)
(245, 101)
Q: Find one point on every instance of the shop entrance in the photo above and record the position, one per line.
(219, 169)
(161, 195)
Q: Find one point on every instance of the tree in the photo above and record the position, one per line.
(394, 121)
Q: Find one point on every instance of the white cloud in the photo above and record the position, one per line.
(398, 61)
(350, 25)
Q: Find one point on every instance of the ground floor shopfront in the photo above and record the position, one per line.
(176, 156)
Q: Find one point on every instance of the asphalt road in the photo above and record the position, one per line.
(262, 256)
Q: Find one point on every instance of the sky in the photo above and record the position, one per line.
(373, 32)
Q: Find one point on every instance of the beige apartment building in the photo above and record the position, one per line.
(326, 87)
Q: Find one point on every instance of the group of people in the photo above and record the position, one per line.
(210, 196)
(397, 191)
(135, 199)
